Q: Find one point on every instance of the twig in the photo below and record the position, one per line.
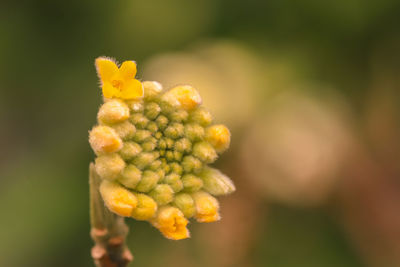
(107, 230)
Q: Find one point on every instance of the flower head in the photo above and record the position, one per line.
(153, 152)
(118, 82)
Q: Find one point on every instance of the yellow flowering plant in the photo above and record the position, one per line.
(153, 148)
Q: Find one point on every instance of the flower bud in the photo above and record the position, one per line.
(104, 139)
(219, 137)
(191, 164)
(207, 207)
(179, 115)
(201, 116)
(125, 130)
(139, 120)
(130, 150)
(113, 111)
(130, 176)
(205, 152)
(152, 127)
(141, 135)
(135, 106)
(150, 144)
(191, 183)
(151, 89)
(183, 145)
(162, 122)
(144, 159)
(215, 182)
(178, 156)
(174, 130)
(109, 166)
(174, 180)
(155, 165)
(194, 132)
(149, 181)
(171, 222)
(152, 110)
(176, 168)
(118, 199)
(184, 96)
(162, 194)
(185, 203)
(146, 207)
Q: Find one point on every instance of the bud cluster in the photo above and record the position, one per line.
(153, 154)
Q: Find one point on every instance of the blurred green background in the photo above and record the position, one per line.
(310, 90)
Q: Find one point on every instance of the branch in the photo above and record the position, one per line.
(108, 230)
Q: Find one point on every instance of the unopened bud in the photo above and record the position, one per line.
(207, 207)
(146, 208)
(215, 182)
(176, 168)
(191, 164)
(130, 176)
(141, 135)
(144, 159)
(179, 115)
(201, 116)
(113, 111)
(183, 145)
(150, 144)
(174, 180)
(152, 110)
(109, 166)
(185, 203)
(125, 130)
(149, 181)
(162, 122)
(191, 183)
(139, 120)
(194, 132)
(152, 127)
(135, 106)
(162, 194)
(130, 150)
(104, 139)
(205, 152)
(219, 137)
(151, 89)
(171, 222)
(118, 199)
(184, 96)
(174, 130)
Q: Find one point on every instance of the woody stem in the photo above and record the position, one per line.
(108, 230)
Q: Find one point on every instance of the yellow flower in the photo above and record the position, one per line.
(118, 82)
(171, 222)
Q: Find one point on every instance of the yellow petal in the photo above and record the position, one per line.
(110, 91)
(171, 222)
(133, 89)
(106, 68)
(128, 70)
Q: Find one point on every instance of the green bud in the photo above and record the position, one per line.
(174, 130)
(170, 143)
(158, 135)
(141, 135)
(151, 89)
(139, 120)
(152, 110)
(169, 155)
(161, 174)
(205, 152)
(185, 203)
(130, 150)
(201, 116)
(152, 127)
(135, 106)
(149, 181)
(155, 165)
(191, 164)
(113, 111)
(179, 115)
(215, 182)
(109, 166)
(130, 176)
(144, 159)
(174, 180)
(162, 144)
(162, 194)
(176, 168)
(162, 122)
(165, 166)
(191, 183)
(178, 156)
(125, 130)
(183, 145)
(194, 132)
(150, 144)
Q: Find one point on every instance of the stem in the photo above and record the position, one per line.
(108, 230)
